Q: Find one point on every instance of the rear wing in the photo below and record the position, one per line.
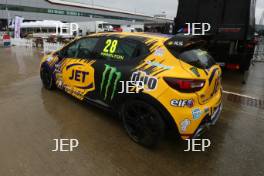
(181, 42)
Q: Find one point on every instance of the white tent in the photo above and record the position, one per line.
(41, 24)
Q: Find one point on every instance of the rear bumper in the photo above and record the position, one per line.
(208, 121)
(192, 121)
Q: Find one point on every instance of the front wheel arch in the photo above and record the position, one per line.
(50, 83)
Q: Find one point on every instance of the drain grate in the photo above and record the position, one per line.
(247, 101)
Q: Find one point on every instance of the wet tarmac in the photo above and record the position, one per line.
(31, 117)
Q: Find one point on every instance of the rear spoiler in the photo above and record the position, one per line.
(181, 42)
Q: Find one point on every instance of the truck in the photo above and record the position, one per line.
(231, 39)
(89, 27)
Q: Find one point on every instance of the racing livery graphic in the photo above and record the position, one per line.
(150, 82)
(110, 77)
(181, 83)
(75, 77)
(195, 71)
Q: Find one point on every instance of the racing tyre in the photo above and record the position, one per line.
(46, 77)
(143, 123)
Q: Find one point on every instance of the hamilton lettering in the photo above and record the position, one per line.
(78, 75)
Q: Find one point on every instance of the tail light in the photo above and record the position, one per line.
(249, 46)
(233, 66)
(185, 85)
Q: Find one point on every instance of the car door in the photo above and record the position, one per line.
(115, 59)
(75, 70)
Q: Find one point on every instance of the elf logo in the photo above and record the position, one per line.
(150, 82)
(182, 103)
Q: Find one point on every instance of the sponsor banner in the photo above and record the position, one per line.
(18, 21)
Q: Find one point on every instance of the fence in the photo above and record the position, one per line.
(22, 42)
(49, 47)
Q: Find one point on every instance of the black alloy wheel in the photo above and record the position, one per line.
(143, 123)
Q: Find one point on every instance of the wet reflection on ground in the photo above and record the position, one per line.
(30, 117)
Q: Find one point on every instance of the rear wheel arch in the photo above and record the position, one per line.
(166, 116)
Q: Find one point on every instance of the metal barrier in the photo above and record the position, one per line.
(22, 42)
(49, 47)
(29, 43)
(259, 51)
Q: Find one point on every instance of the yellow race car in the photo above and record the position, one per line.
(153, 81)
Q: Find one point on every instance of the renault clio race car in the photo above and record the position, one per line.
(152, 81)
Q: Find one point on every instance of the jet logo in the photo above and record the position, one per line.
(78, 75)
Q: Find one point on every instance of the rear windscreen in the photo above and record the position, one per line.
(197, 58)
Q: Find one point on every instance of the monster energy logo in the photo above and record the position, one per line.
(113, 78)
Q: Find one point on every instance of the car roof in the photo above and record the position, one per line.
(136, 35)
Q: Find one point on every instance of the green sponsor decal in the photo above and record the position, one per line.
(110, 79)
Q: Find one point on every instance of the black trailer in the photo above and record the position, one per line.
(231, 39)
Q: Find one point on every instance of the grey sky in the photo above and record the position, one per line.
(151, 7)
(259, 10)
(148, 7)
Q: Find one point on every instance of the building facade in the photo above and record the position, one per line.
(68, 12)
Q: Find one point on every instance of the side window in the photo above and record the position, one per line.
(86, 48)
(83, 48)
(70, 52)
(120, 49)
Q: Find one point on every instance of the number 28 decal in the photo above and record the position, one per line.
(110, 46)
